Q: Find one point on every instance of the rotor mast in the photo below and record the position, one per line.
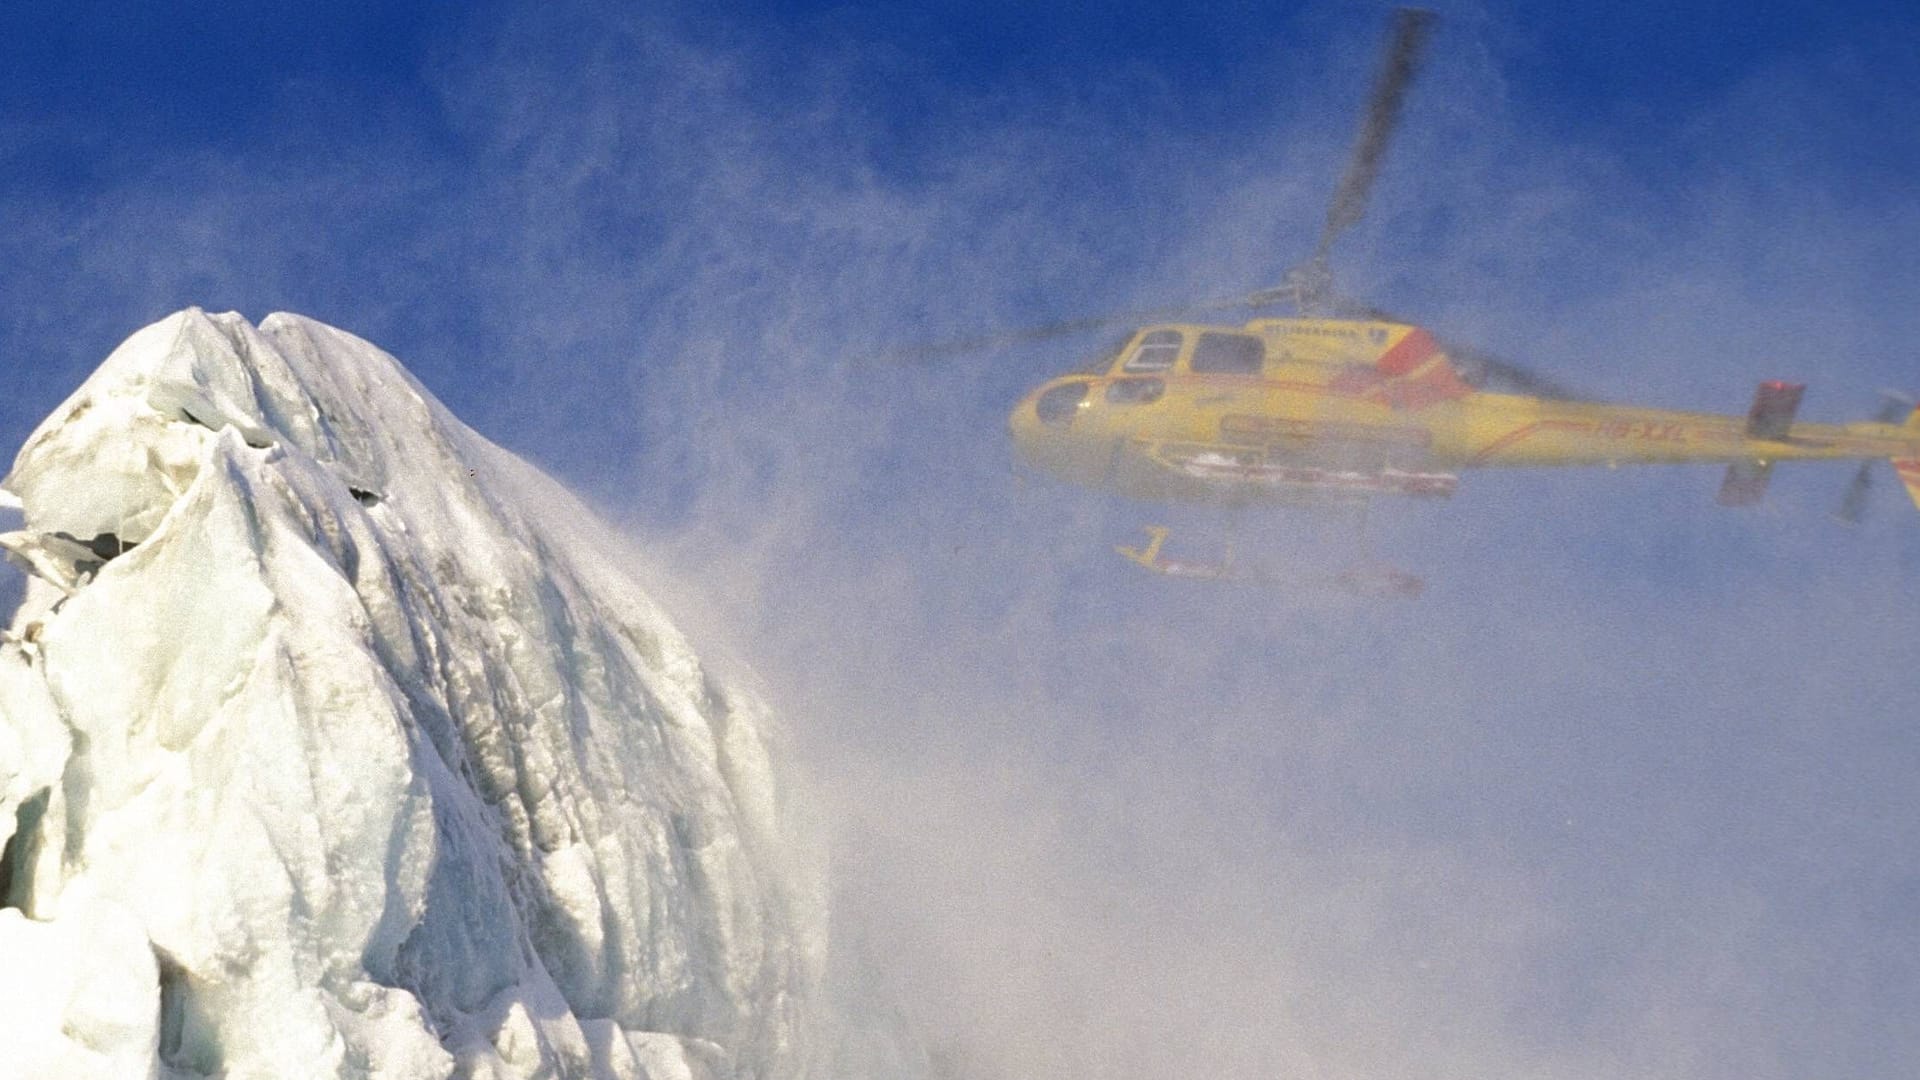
(1310, 284)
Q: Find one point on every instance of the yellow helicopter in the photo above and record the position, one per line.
(1343, 404)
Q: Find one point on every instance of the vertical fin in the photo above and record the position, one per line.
(1773, 407)
(1771, 418)
(1909, 471)
(1909, 468)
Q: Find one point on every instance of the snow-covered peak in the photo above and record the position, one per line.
(336, 741)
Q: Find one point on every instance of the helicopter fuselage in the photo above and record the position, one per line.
(1290, 410)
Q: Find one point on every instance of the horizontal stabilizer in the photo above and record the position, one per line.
(1746, 483)
(1773, 407)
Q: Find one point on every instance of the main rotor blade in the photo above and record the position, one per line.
(1486, 371)
(946, 350)
(1480, 368)
(1411, 27)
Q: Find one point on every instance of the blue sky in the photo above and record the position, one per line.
(105, 104)
(1628, 794)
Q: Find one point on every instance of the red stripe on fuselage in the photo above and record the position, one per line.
(1524, 431)
(1407, 353)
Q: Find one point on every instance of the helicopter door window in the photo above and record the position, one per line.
(1228, 354)
(1156, 352)
(1136, 391)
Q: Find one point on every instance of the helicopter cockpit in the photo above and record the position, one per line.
(1163, 350)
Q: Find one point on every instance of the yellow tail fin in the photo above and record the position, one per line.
(1909, 468)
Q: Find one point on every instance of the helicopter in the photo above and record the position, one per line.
(1341, 403)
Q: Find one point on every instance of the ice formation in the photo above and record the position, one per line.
(337, 742)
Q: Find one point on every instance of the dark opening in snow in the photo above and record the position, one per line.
(173, 980)
(20, 850)
(13, 580)
(192, 419)
(187, 1041)
(364, 497)
(13, 589)
(106, 545)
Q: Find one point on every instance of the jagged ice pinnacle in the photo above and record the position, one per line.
(337, 742)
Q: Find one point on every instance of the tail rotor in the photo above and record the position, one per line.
(1894, 408)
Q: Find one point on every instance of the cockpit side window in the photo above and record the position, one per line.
(1228, 354)
(1157, 351)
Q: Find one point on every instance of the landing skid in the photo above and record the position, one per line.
(1248, 468)
(1366, 579)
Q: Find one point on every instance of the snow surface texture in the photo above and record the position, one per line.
(336, 742)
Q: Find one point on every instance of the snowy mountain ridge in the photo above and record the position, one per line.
(337, 742)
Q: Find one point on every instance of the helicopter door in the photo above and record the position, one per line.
(1227, 379)
(1219, 377)
(1228, 354)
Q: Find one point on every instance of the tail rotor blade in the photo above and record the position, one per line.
(1894, 408)
(1853, 504)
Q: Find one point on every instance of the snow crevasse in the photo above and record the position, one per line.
(342, 743)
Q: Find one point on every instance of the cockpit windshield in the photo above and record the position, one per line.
(1157, 351)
